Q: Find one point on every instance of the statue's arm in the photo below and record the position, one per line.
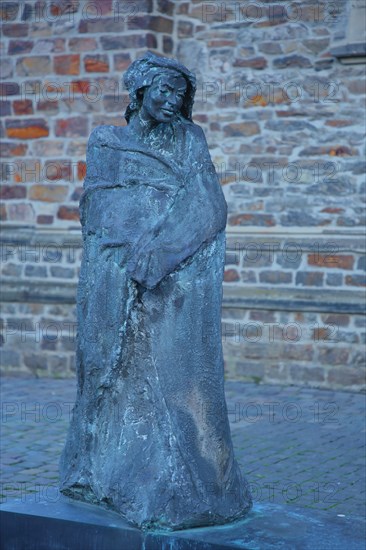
(97, 163)
(196, 216)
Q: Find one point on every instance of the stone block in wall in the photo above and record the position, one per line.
(23, 107)
(96, 64)
(70, 213)
(17, 47)
(66, 64)
(71, 127)
(33, 66)
(27, 129)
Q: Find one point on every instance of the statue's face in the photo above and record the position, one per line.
(164, 98)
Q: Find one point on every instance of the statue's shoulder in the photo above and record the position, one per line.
(195, 132)
(105, 135)
(192, 129)
(195, 135)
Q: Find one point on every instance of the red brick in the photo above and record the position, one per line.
(81, 170)
(151, 22)
(320, 334)
(71, 127)
(332, 150)
(201, 118)
(68, 213)
(15, 29)
(55, 170)
(82, 44)
(342, 151)
(67, 64)
(220, 43)
(276, 15)
(337, 319)
(331, 261)
(105, 7)
(298, 61)
(44, 219)
(3, 214)
(18, 178)
(8, 192)
(253, 63)
(96, 64)
(332, 210)
(165, 6)
(340, 123)
(48, 106)
(23, 107)
(80, 86)
(63, 7)
(252, 219)
(48, 193)
(121, 61)
(27, 129)
(17, 47)
(231, 276)
(296, 351)
(9, 149)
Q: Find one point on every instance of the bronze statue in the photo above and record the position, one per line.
(150, 436)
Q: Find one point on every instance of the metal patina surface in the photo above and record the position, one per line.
(150, 436)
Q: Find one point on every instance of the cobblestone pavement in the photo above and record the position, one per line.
(296, 446)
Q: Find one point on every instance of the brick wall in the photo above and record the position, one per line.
(283, 119)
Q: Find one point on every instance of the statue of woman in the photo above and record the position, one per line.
(150, 436)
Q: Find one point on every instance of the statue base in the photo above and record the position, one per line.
(74, 525)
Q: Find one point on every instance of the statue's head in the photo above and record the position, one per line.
(162, 85)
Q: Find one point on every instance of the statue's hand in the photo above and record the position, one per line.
(142, 268)
(150, 266)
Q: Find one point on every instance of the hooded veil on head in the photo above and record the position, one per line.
(142, 72)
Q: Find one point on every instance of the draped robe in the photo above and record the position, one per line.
(149, 436)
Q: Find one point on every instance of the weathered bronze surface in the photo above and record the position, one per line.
(150, 436)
